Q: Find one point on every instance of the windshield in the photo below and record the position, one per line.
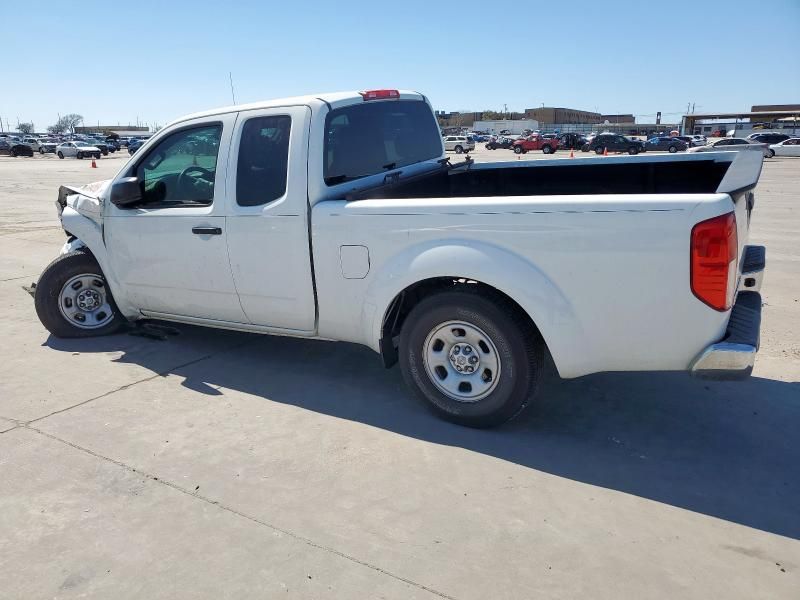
(371, 137)
(81, 144)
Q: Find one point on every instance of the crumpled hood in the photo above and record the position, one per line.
(87, 199)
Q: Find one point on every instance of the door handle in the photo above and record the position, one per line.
(207, 230)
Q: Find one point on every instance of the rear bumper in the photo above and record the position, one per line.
(733, 357)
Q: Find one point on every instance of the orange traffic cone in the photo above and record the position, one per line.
(571, 154)
(94, 164)
(605, 151)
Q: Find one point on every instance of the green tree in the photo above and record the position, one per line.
(25, 128)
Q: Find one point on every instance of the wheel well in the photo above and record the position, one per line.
(404, 302)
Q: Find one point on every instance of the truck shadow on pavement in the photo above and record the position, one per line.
(727, 450)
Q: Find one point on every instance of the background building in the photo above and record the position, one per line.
(551, 114)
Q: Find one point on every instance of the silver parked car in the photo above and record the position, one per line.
(737, 144)
(458, 143)
(77, 149)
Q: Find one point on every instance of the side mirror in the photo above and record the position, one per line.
(126, 192)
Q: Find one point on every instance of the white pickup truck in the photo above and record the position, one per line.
(338, 217)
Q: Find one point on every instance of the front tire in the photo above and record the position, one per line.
(517, 149)
(474, 360)
(459, 149)
(770, 153)
(633, 151)
(547, 150)
(673, 149)
(598, 150)
(41, 151)
(72, 299)
(60, 155)
(79, 156)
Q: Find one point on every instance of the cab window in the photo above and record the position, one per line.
(181, 168)
(263, 160)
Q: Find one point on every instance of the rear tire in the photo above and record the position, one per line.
(458, 149)
(673, 149)
(517, 149)
(633, 151)
(79, 156)
(770, 153)
(58, 296)
(547, 150)
(508, 352)
(97, 156)
(598, 150)
(13, 153)
(60, 155)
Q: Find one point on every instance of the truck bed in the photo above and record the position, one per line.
(688, 174)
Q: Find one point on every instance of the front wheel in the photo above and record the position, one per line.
(80, 155)
(97, 155)
(73, 300)
(770, 153)
(458, 149)
(60, 155)
(474, 360)
(598, 150)
(41, 151)
(547, 150)
(633, 151)
(517, 149)
(13, 153)
(673, 149)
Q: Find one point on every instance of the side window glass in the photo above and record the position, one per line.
(182, 167)
(263, 160)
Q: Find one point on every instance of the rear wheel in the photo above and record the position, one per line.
(547, 150)
(60, 155)
(633, 150)
(459, 149)
(517, 149)
(72, 299)
(475, 361)
(770, 153)
(13, 153)
(97, 155)
(598, 150)
(41, 150)
(80, 155)
(673, 149)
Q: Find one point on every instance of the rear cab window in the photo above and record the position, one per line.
(376, 136)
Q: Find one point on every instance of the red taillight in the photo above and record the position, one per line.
(714, 261)
(379, 94)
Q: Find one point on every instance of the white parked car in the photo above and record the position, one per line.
(790, 147)
(335, 216)
(699, 140)
(458, 144)
(77, 149)
(735, 144)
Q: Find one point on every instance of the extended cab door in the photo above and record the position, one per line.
(267, 223)
(169, 251)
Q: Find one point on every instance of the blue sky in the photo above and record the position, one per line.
(159, 60)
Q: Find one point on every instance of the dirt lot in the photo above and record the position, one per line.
(226, 465)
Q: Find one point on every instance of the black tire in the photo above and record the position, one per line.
(79, 156)
(770, 153)
(97, 155)
(633, 151)
(518, 150)
(585, 148)
(41, 151)
(547, 149)
(598, 150)
(520, 350)
(673, 149)
(105, 153)
(458, 150)
(60, 155)
(13, 153)
(48, 289)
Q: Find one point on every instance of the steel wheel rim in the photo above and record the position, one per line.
(455, 344)
(84, 301)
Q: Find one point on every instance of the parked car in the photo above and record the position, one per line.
(735, 144)
(102, 145)
(458, 144)
(535, 142)
(47, 146)
(790, 147)
(768, 138)
(666, 144)
(78, 150)
(134, 144)
(10, 147)
(469, 277)
(33, 142)
(571, 141)
(699, 140)
(614, 143)
(500, 142)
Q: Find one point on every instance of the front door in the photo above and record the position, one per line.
(267, 224)
(169, 252)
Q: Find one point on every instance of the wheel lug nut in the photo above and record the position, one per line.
(470, 369)
(456, 350)
(458, 368)
(467, 349)
(473, 360)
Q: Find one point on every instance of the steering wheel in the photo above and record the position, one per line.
(183, 178)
